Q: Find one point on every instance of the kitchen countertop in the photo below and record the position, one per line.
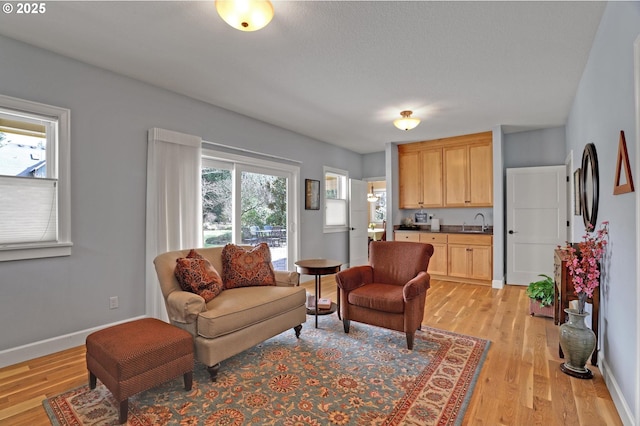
(448, 229)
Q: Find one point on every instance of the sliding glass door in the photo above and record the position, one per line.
(249, 204)
(217, 203)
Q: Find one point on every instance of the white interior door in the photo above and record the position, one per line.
(358, 214)
(536, 221)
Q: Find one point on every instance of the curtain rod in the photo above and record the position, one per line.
(248, 151)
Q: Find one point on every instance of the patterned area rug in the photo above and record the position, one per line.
(327, 377)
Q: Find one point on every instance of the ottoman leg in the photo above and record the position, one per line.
(92, 380)
(188, 380)
(124, 411)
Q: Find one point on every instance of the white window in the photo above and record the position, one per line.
(335, 199)
(378, 209)
(34, 180)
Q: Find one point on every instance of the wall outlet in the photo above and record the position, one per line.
(430, 216)
(113, 302)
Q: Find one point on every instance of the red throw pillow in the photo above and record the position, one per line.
(242, 268)
(197, 275)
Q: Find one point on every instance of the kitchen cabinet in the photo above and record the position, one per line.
(468, 175)
(410, 180)
(470, 256)
(449, 172)
(407, 236)
(456, 257)
(420, 175)
(438, 262)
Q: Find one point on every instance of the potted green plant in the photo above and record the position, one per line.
(541, 295)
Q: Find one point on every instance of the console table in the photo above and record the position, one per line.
(564, 293)
(319, 267)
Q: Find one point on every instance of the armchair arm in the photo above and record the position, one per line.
(354, 277)
(184, 307)
(418, 285)
(287, 278)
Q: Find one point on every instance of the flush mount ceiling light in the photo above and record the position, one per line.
(371, 197)
(245, 15)
(406, 122)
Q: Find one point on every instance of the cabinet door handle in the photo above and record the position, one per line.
(511, 231)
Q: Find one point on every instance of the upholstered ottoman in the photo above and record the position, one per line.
(135, 356)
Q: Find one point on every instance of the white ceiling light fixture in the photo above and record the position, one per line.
(406, 122)
(371, 197)
(245, 15)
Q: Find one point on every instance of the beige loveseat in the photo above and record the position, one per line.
(236, 319)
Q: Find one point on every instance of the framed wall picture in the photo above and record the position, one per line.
(311, 194)
(577, 204)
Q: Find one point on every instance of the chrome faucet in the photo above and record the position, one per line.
(484, 226)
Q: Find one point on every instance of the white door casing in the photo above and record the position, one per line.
(358, 214)
(536, 221)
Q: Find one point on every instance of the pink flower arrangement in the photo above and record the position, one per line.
(583, 263)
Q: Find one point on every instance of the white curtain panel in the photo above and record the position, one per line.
(174, 204)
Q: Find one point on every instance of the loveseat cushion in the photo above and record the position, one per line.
(197, 275)
(238, 308)
(245, 268)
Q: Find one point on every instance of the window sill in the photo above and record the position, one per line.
(34, 251)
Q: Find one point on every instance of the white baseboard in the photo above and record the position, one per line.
(497, 284)
(49, 346)
(624, 411)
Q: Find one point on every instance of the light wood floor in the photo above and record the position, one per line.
(520, 382)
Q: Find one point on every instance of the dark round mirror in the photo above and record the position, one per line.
(589, 186)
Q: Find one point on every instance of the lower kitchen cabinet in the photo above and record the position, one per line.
(438, 262)
(456, 257)
(407, 236)
(470, 257)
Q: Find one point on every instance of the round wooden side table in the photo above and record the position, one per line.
(319, 267)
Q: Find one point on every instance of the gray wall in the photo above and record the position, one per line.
(499, 202)
(604, 105)
(545, 147)
(373, 165)
(110, 116)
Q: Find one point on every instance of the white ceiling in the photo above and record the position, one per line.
(340, 72)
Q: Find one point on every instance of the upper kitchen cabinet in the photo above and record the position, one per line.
(468, 175)
(420, 173)
(449, 172)
(410, 177)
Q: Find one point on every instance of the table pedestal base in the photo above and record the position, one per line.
(319, 267)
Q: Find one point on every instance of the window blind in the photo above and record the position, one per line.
(336, 212)
(28, 210)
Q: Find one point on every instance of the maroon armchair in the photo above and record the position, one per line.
(390, 292)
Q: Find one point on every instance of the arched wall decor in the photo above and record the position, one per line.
(590, 186)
